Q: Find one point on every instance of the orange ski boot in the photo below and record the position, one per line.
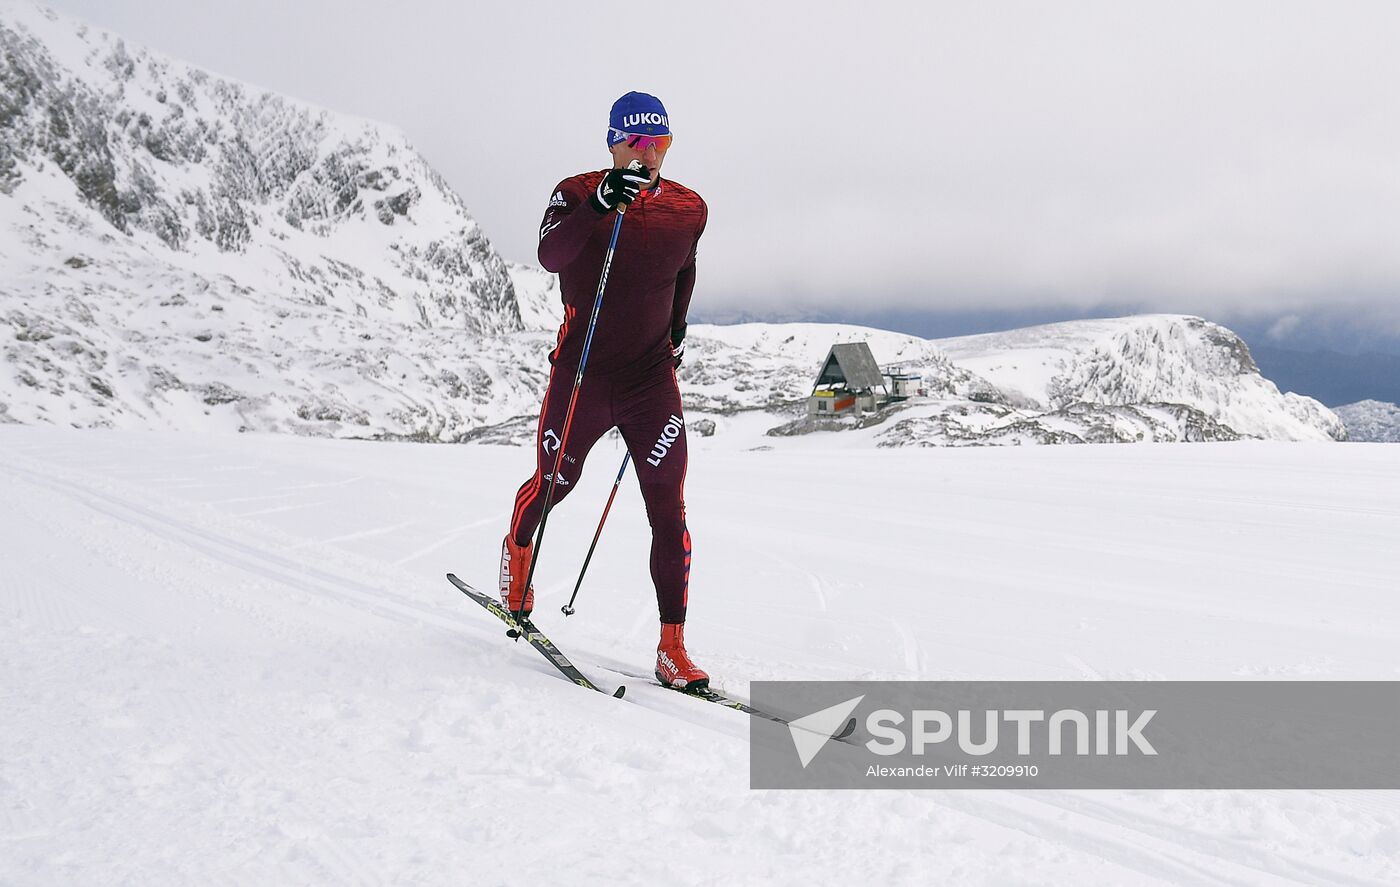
(673, 665)
(515, 567)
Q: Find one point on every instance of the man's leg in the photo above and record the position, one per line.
(651, 421)
(592, 417)
(654, 430)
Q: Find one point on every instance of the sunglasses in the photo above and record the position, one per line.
(641, 142)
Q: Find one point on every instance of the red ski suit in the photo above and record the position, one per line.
(629, 381)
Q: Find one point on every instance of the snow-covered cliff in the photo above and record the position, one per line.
(1152, 359)
(183, 250)
(1371, 421)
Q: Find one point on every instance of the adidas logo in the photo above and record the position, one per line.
(558, 199)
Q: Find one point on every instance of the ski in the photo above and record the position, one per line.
(718, 698)
(534, 636)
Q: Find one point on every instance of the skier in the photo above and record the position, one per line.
(630, 380)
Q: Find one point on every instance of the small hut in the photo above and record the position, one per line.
(904, 384)
(847, 382)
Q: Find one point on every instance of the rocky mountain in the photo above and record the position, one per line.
(180, 250)
(208, 174)
(1144, 360)
(1371, 421)
(174, 241)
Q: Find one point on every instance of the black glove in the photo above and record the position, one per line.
(619, 187)
(678, 345)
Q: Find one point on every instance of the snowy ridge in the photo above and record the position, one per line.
(175, 242)
(210, 174)
(1371, 421)
(1153, 359)
(219, 356)
(1133, 379)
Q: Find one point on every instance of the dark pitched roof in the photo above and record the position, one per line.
(851, 363)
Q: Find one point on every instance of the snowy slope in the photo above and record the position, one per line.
(233, 659)
(213, 176)
(181, 250)
(537, 297)
(1371, 420)
(1143, 360)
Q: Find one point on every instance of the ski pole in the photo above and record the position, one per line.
(573, 401)
(568, 609)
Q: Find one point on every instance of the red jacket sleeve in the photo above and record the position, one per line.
(685, 279)
(568, 221)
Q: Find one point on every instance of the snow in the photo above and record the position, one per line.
(1139, 360)
(537, 296)
(1371, 420)
(224, 184)
(234, 659)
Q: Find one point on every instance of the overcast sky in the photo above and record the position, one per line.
(1210, 157)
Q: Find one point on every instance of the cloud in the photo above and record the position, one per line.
(1191, 156)
(1283, 329)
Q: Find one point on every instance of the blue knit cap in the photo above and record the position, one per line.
(640, 114)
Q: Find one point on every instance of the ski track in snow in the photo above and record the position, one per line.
(240, 555)
(456, 535)
(294, 694)
(1086, 670)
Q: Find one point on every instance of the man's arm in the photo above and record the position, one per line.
(568, 220)
(685, 282)
(566, 226)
